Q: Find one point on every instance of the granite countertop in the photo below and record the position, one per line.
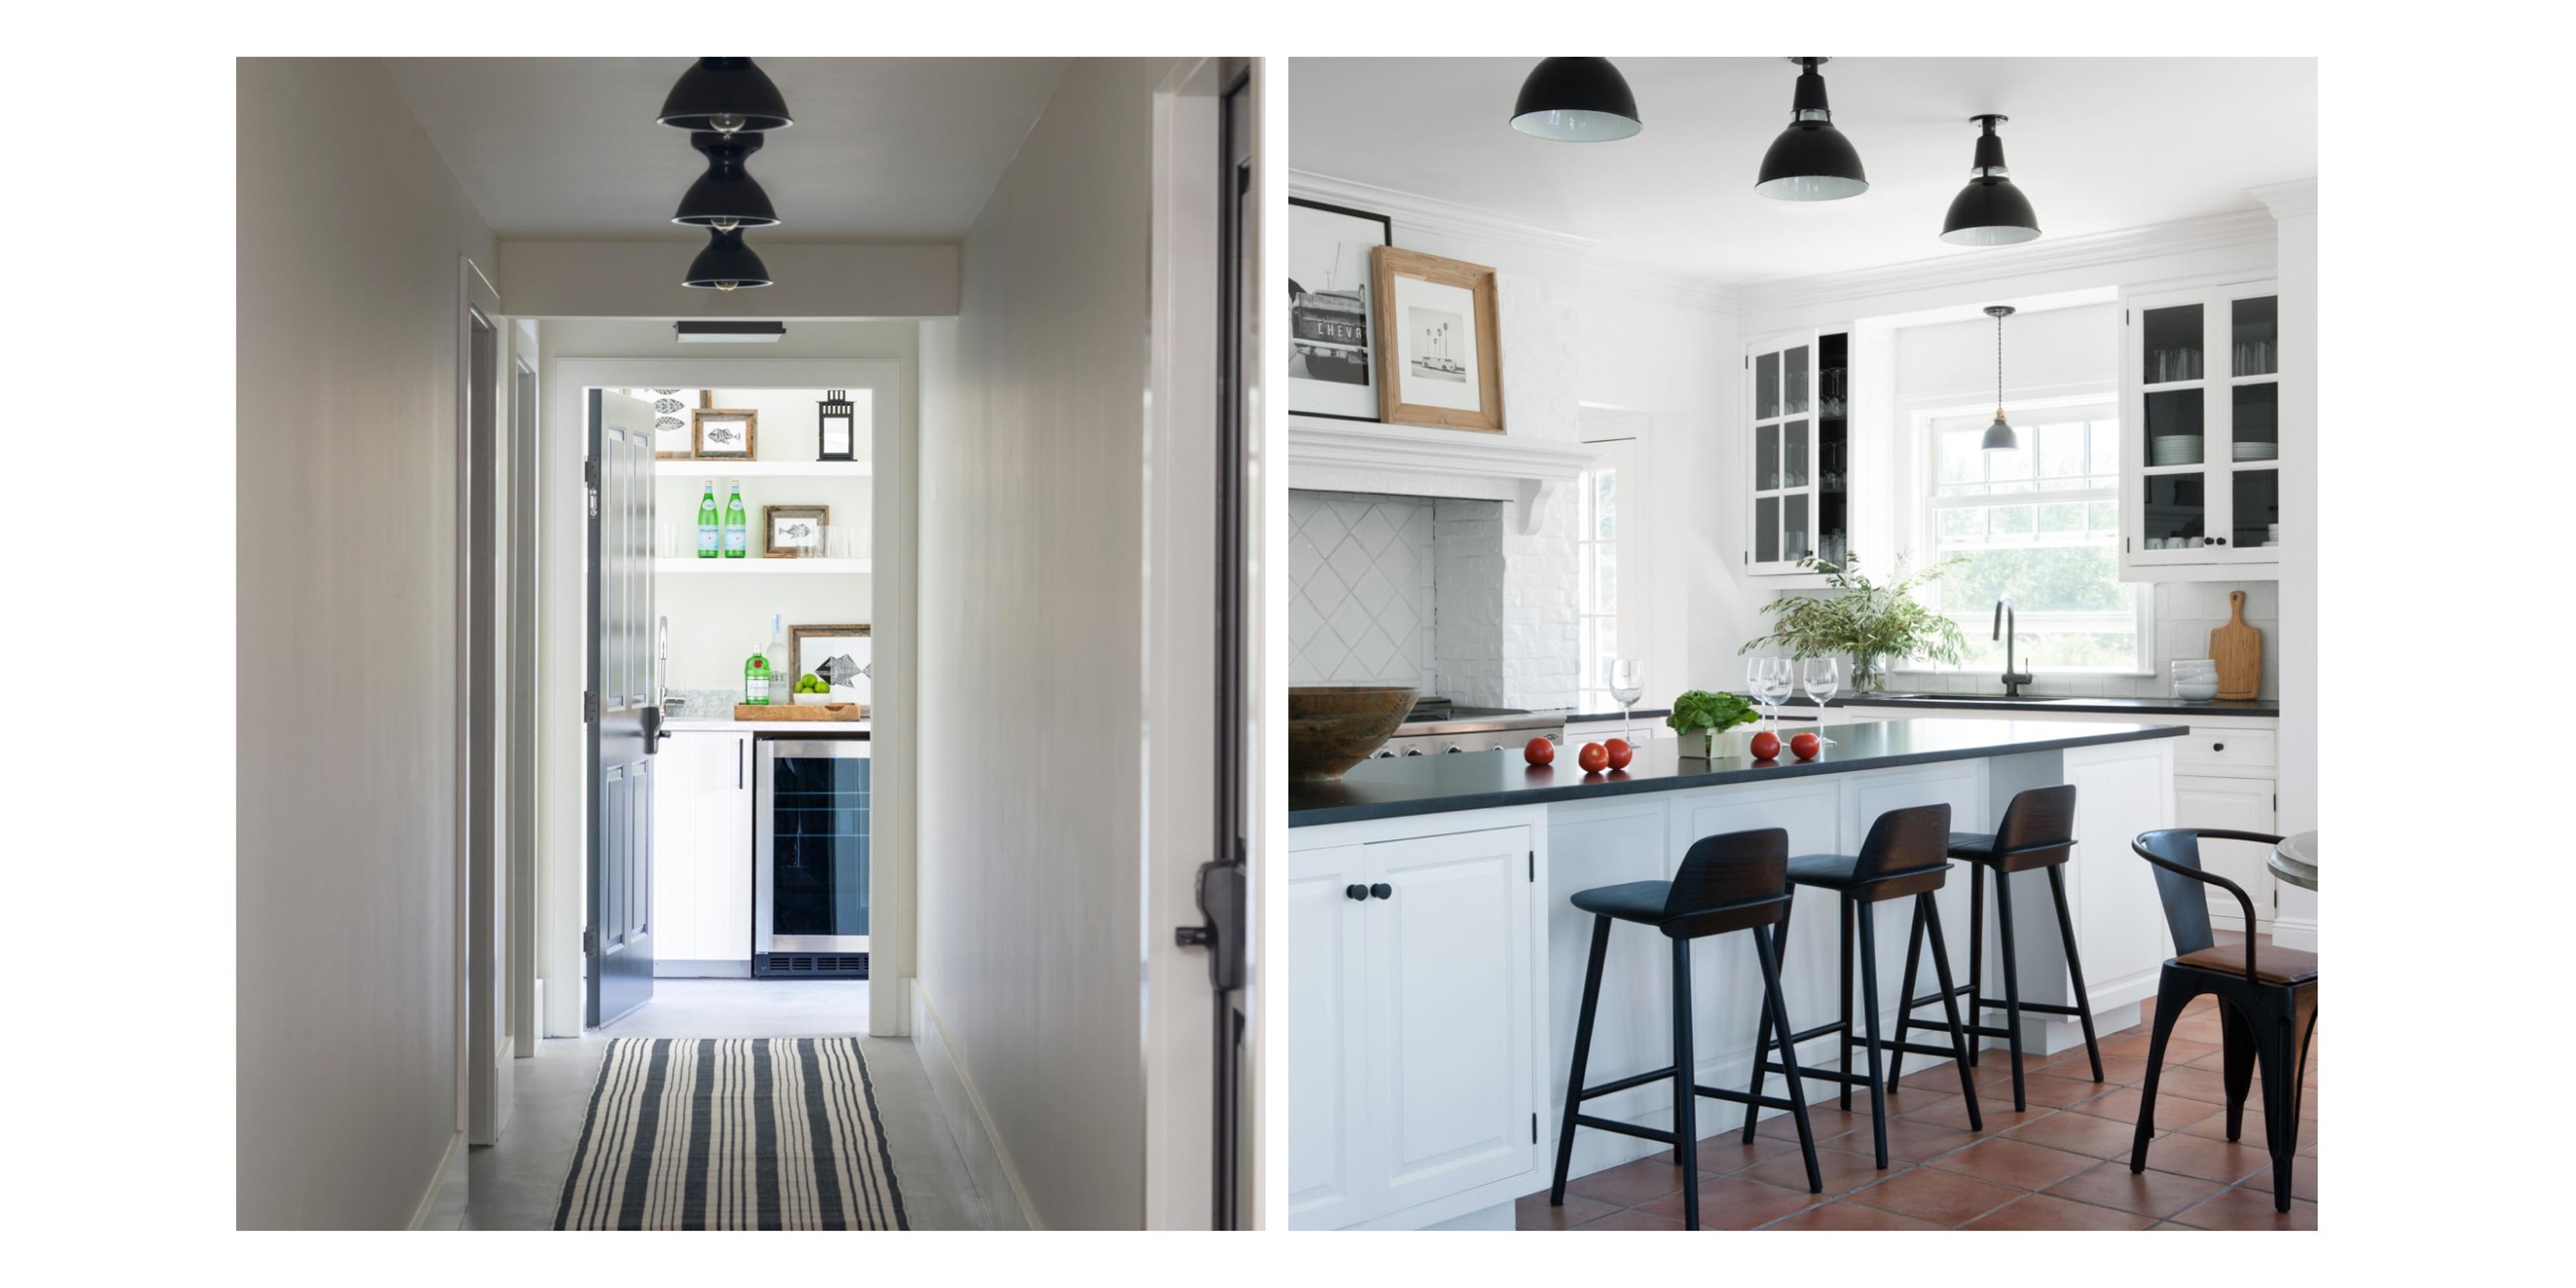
(2101, 706)
(1489, 779)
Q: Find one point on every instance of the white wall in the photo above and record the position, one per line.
(1031, 670)
(349, 230)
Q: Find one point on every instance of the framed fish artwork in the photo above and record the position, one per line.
(725, 434)
(794, 531)
(674, 421)
(837, 655)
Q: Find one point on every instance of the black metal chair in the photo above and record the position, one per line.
(1735, 881)
(1906, 853)
(2038, 831)
(2267, 999)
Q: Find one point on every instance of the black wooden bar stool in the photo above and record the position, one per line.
(1737, 881)
(2267, 1000)
(2038, 832)
(1904, 855)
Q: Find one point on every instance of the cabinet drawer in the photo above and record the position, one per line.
(2246, 753)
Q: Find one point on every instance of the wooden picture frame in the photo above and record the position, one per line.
(829, 642)
(770, 517)
(724, 421)
(1428, 374)
(674, 418)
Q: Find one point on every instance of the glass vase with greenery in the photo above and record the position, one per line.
(1876, 624)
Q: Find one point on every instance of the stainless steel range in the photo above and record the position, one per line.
(1440, 727)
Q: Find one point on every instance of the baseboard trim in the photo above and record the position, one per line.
(426, 1215)
(968, 1124)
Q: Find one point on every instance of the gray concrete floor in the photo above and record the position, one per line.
(515, 1185)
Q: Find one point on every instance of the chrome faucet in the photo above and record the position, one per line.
(2013, 678)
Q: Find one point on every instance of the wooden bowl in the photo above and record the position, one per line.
(1331, 728)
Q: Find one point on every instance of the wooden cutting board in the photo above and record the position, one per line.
(2238, 650)
(782, 711)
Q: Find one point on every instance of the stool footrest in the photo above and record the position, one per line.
(1664, 1074)
(1626, 1129)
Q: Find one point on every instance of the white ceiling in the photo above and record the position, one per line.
(883, 149)
(2098, 144)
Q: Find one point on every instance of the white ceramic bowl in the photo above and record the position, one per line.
(813, 699)
(2196, 692)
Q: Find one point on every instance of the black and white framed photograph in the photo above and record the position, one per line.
(674, 427)
(1330, 366)
(837, 655)
(725, 434)
(794, 531)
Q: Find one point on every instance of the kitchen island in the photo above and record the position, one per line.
(1435, 964)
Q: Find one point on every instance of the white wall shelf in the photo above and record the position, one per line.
(762, 567)
(697, 468)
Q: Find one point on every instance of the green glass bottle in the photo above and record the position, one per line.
(737, 526)
(755, 680)
(710, 522)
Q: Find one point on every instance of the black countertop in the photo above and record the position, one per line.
(2089, 706)
(1487, 779)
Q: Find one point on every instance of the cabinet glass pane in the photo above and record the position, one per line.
(2174, 434)
(2257, 427)
(1793, 454)
(1793, 377)
(2257, 510)
(2176, 506)
(2256, 327)
(1793, 523)
(1766, 530)
(1766, 386)
(1766, 457)
(2173, 341)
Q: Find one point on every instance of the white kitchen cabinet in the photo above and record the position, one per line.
(2200, 479)
(1414, 1097)
(1798, 451)
(702, 850)
(2245, 805)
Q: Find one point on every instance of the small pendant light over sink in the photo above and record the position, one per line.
(1811, 160)
(2000, 436)
(726, 264)
(1990, 211)
(1576, 100)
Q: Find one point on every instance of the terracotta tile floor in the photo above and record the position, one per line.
(2062, 1165)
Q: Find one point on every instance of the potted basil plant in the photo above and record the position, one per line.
(1699, 716)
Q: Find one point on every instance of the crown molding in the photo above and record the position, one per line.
(1366, 456)
(1675, 288)
(2209, 232)
(1431, 214)
(2288, 200)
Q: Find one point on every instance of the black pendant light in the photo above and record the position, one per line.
(726, 95)
(726, 197)
(1990, 211)
(1576, 100)
(726, 264)
(1811, 160)
(2000, 436)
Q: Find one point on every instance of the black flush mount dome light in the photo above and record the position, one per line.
(1811, 160)
(2000, 436)
(726, 197)
(726, 95)
(1990, 211)
(1576, 100)
(726, 264)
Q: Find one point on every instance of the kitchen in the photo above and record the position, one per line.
(1634, 442)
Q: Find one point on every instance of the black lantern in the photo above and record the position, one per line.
(1576, 100)
(725, 264)
(1991, 210)
(726, 197)
(1811, 160)
(838, 418)
(726, 95)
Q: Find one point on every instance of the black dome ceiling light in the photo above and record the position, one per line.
(1811, 160)
(727, 96)
(726, 264)
(726, 197)
(1576, 100)
(2000, 436)
(1990, 211)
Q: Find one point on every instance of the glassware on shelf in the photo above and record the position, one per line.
(1823, 679)
(1627, 684)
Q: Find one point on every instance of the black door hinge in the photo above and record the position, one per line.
(589, 941)
(589, 707)
(590, 484)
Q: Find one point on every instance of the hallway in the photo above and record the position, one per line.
(516, 1184)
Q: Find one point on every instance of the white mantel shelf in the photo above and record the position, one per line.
(701, 467)
(760, 567)
(1366, 456)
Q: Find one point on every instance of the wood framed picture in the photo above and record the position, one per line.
(1439, 358)
(1329, 370)
(794, 531)
(674, 428)
(837, 655)
(724, 434)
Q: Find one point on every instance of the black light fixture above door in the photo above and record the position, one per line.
(726, 264)
(726, 95)
(1811, 160)
(1576, 100)
(2000, 436)
(1990, 211)
(726, 197)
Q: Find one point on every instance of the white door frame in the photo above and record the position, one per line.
(893, 721)
(482, 1088)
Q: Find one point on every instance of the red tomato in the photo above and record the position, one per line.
(1594, 758)
(1805, 746)
(1539, 751)
(1766, 745)
(1620, 752)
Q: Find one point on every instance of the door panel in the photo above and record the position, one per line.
(2238, 804)
(623, 731)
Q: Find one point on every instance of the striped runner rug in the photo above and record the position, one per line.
(732, 1134)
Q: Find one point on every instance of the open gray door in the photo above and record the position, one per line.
(621, 706)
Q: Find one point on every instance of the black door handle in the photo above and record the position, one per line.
(1382, 890)
(1356, 891)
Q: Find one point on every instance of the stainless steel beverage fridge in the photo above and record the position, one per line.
(810, 862)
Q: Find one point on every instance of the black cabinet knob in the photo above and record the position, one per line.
(2218, 746)
(1382, 890)
(2221, 540)
(1356, 891)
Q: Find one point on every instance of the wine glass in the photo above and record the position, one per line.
(1824, 679)
(1768, 678)
(1627, 684)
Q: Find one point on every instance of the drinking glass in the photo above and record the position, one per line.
(1627, 684)
(1824, 679)
(1766, 677)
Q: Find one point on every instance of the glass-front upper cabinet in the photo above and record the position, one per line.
(1798, 466)
(2201, 479)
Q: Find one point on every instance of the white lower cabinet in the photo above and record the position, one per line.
(2238, 804)
(1415, 1015)
(702, 855)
